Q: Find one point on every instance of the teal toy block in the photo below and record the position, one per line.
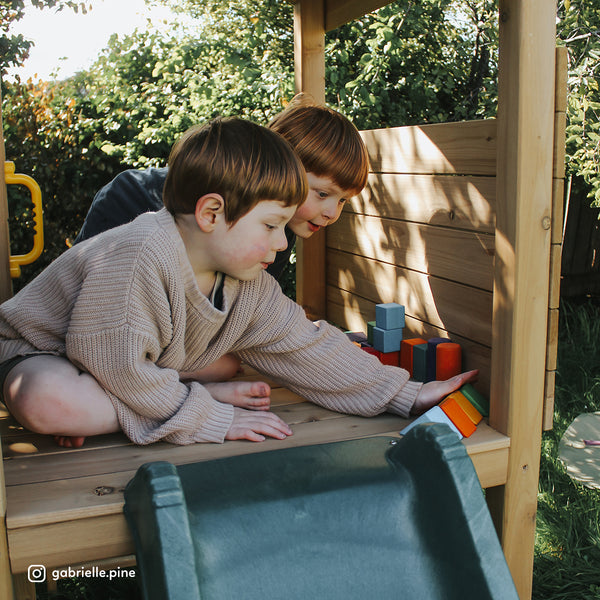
(370, 326)
(433, 415)
(387, 340)
(389, 316)
(480, 402)
(420, 362)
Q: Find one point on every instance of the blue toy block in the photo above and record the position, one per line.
(420, 362)
(389, 316)
(433, 415)
(387, 340)
(431, 349)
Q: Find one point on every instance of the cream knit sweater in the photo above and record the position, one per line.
(125, 307)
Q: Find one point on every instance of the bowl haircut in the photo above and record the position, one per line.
(327, 143)
(243, 162)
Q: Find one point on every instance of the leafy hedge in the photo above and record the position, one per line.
(410, 62)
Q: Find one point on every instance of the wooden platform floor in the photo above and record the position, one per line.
(64, 506)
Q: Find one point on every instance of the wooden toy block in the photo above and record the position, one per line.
(390, 358)
(469, 409)
(432, 345)
(406, 353)
(480, 402)
(387, 340)
(419, 362)
(370, 325)
(389, 316)
(371, 350)
(433, 415)
(448, 361)
(458, 416)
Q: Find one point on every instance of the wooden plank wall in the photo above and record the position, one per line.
(422, 234)
(558, 185)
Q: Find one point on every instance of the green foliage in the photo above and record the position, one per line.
(579, 31)
(389, 68)
(47, 138)
(567, 551)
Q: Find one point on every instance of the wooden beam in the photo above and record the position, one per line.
(5, 280)
(524, 197)
(560, 118)
(340, 12)
(309, 57)
(6, 585)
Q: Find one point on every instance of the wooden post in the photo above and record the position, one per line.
(5, 280)
(309, 57)
(524, 195)
(558, 184)
(6, 588)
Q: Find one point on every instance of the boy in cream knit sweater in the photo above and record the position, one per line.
(109, 336)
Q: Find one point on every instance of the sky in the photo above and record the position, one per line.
(70, 41)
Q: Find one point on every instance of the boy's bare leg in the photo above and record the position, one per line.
(49, 395)
(252, 395)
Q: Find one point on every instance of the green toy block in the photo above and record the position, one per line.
(480, 402)
(370, 327)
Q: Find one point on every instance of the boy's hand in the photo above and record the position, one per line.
(434, 392)
(255, 425)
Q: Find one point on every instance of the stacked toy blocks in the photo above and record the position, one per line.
(462, 411)
(387, 332)
(436, 359)
(425, 360)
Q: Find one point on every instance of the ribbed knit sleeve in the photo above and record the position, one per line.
(319, 362)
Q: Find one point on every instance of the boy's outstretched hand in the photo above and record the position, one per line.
(434, 392)
(255, 425)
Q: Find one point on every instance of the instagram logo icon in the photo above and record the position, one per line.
(36, 573)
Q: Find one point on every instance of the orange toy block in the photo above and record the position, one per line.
(458, 416)
(406, 353)
(469, 409)
(448, 361)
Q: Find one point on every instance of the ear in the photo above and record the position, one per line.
(208, 210)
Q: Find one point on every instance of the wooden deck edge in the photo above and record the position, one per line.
(39, 542)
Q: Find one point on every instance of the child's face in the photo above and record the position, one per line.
(322, 206)
(244, 250)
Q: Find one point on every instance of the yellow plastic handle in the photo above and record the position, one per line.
(38, 226)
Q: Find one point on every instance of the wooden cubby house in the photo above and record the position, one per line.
(460, 222)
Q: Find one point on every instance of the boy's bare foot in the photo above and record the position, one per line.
(69, 441)
(252, 395)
